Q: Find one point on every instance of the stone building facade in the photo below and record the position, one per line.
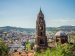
(61, 37)
(41, 38)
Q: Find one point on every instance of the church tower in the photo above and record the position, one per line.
(41, 39)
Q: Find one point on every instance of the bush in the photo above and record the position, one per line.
(60, 50)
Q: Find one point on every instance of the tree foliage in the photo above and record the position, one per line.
(60, 50)
(3, 48)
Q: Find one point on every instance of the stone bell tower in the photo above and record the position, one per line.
(41, 39)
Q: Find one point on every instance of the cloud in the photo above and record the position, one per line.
(60, 22)
(18, 22)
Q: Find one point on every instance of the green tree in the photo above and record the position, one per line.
(3, 48)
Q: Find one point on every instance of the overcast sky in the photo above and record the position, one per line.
(23, 13)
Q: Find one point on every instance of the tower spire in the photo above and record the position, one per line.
(40, 14)
(40, 8)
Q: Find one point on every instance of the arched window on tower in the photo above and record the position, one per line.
(42, 42)
(41, 33)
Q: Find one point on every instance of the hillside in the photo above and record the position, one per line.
(9, 28)
(64, 28)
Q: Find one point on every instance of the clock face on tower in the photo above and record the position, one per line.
(41, 28)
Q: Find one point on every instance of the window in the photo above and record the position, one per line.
(41, 34)
(42, 41)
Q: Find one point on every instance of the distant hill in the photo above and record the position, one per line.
(64, 28)
(9, 28)
(67, 28)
